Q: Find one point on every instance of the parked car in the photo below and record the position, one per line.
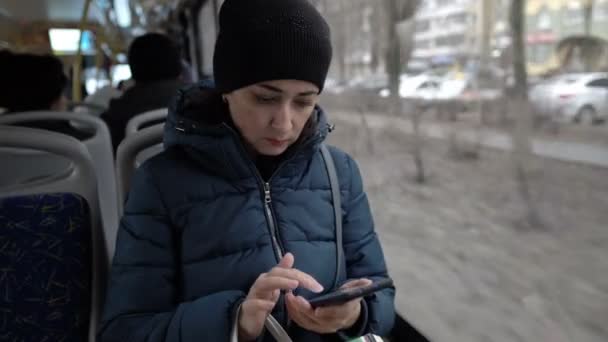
(465, 90)
(573, 97)
(424, 87)
(372, 81)
(419, 87)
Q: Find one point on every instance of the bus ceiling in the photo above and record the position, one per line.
(58, 11)
(35, 25)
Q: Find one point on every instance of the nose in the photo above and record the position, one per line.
(282, 119)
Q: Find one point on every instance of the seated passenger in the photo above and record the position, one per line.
(156, 68)
(98, 101)
(234, 221)
(31, 82)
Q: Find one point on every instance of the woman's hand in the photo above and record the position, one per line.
(265, 292)
(325, 320)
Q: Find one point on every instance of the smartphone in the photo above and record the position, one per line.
(341, 296)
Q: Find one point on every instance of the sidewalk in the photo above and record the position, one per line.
(566, 151)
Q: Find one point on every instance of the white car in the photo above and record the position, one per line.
(573, 97)
(420, 87)
(423, 87)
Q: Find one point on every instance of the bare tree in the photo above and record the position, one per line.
(516, 18)
(588, 7)
(378, 18)
(522, 145)
(461, 146)
(399, 12)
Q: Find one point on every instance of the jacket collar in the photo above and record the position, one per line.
(199, 123)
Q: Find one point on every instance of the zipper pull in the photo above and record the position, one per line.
(180, 126)
(267, 198)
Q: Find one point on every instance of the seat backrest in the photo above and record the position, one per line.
(148, 153)
(144, 120)
(28, 166)
(56, 206)
(100, 149)
(126, 157)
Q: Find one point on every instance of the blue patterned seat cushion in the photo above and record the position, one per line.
(45, 268)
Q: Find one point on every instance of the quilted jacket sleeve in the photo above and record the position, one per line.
(142, 301)
(364, 256)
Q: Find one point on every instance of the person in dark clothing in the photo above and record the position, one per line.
(156, 68)
(234, 220)
(30, 82)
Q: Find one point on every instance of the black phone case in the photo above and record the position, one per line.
(345, 295)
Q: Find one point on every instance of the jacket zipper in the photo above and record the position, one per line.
(272, 222)
(276, 238)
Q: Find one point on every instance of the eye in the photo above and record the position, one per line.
(304, 103)
(265, 99)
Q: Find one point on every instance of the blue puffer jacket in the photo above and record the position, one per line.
(195, 234)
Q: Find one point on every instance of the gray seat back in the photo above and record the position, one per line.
(100, 149)
(148, 140)
(145, 119)
(81, 180)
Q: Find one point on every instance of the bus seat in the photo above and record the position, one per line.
(100, 149)
(147, 153)
(147, 140)
(145, 120)
(26, 166)
(54, 246)
(46, 254)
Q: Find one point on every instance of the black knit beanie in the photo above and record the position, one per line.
(265, 40)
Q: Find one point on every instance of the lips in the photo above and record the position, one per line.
(276, 142)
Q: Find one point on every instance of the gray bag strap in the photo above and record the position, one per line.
(276, 330)
(272, 326)
(337, 204)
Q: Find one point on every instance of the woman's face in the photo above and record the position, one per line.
(271, 115)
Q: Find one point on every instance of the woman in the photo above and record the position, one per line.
(234, 220)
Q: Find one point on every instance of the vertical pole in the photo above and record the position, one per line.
(76, 93)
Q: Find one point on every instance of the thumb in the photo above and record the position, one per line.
(356, 283)
(287, 261)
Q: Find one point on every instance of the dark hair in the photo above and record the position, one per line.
(154, 57)
(30, 82)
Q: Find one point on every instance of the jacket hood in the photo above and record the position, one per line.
(199, 122)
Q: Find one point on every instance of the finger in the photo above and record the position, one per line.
(305, 304)
(302, 319)
(300, 304)
(336, 312)
(305, 280)
(266, 285)
(307, 310)
(357, 283)
(293, 307)
(321, 327)
(291, 302)
(275, 295)
(287, 261)
(258, 305)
